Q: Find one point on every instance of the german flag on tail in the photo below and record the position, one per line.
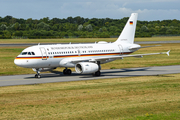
(131, 22)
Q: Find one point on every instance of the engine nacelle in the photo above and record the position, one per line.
(86, 67)
(43, 69)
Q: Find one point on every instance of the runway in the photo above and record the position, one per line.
(112, 73)
(31, 44)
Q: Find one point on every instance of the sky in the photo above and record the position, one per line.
(148, 10)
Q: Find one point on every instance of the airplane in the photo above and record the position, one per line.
(86, 58)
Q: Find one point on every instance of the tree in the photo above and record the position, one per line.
(89, 28)
(80, 27)
(144, 28)
(12, 21)
(7, 19)
(70, 20)
(100, 30)
(7, 34)
(18, 33)
(3, 27)
(29, 21)
(78, 20)
(16, 26)
(43, 26)
(45, 20)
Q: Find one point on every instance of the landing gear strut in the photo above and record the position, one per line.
(67, 71)
(38, 74)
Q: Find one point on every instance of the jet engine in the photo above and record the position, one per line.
(86, 67)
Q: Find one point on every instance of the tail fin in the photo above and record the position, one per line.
(127, 35)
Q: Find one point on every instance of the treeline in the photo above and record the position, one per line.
(80, 27)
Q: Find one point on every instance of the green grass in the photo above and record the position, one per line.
(161, 116)
(83, 40)
(8, 54)
(133, 98)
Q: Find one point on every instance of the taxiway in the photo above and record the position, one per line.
(112, 73)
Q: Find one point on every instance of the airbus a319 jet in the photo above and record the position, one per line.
(86, 58)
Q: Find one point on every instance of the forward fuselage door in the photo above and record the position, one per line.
(120, 49)
(43, 53)
(79, 52)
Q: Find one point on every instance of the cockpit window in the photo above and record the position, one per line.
(33, 53)
(24, 53)
(27, 53)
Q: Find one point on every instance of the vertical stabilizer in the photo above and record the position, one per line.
(127, 35)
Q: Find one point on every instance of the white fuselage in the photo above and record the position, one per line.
(60, 55)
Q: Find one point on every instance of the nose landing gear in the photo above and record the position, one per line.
(38, 75)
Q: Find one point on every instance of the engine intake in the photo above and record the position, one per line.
(86, 67)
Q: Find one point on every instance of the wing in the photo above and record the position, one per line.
(115, 57)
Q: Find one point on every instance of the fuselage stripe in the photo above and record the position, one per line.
(81, 55)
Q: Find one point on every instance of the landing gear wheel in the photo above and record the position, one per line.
(37, 76)
(67, 71)
(64, 71)
(98, 73)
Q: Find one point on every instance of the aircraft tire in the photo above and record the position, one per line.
(98, 73)
(64, 71)
(68, 72)
(37, 76)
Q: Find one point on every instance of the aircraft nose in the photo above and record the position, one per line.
(18, 62)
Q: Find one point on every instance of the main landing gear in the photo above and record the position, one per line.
(98, 73)
(38, 75)
(67, 71)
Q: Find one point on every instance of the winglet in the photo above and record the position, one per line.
(168, 52)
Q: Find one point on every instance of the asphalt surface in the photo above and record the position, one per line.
(31, 44)
(113, 73)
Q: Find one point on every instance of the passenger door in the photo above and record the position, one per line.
(120, 49)
(43, 53)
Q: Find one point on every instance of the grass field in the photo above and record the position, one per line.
(83, 40)
(132, 98)
(137, 98)
(8, 54)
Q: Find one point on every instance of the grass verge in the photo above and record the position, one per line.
(147, 97)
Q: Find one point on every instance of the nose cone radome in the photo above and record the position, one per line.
(18, 62)
(26, 63)
(21, 63)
